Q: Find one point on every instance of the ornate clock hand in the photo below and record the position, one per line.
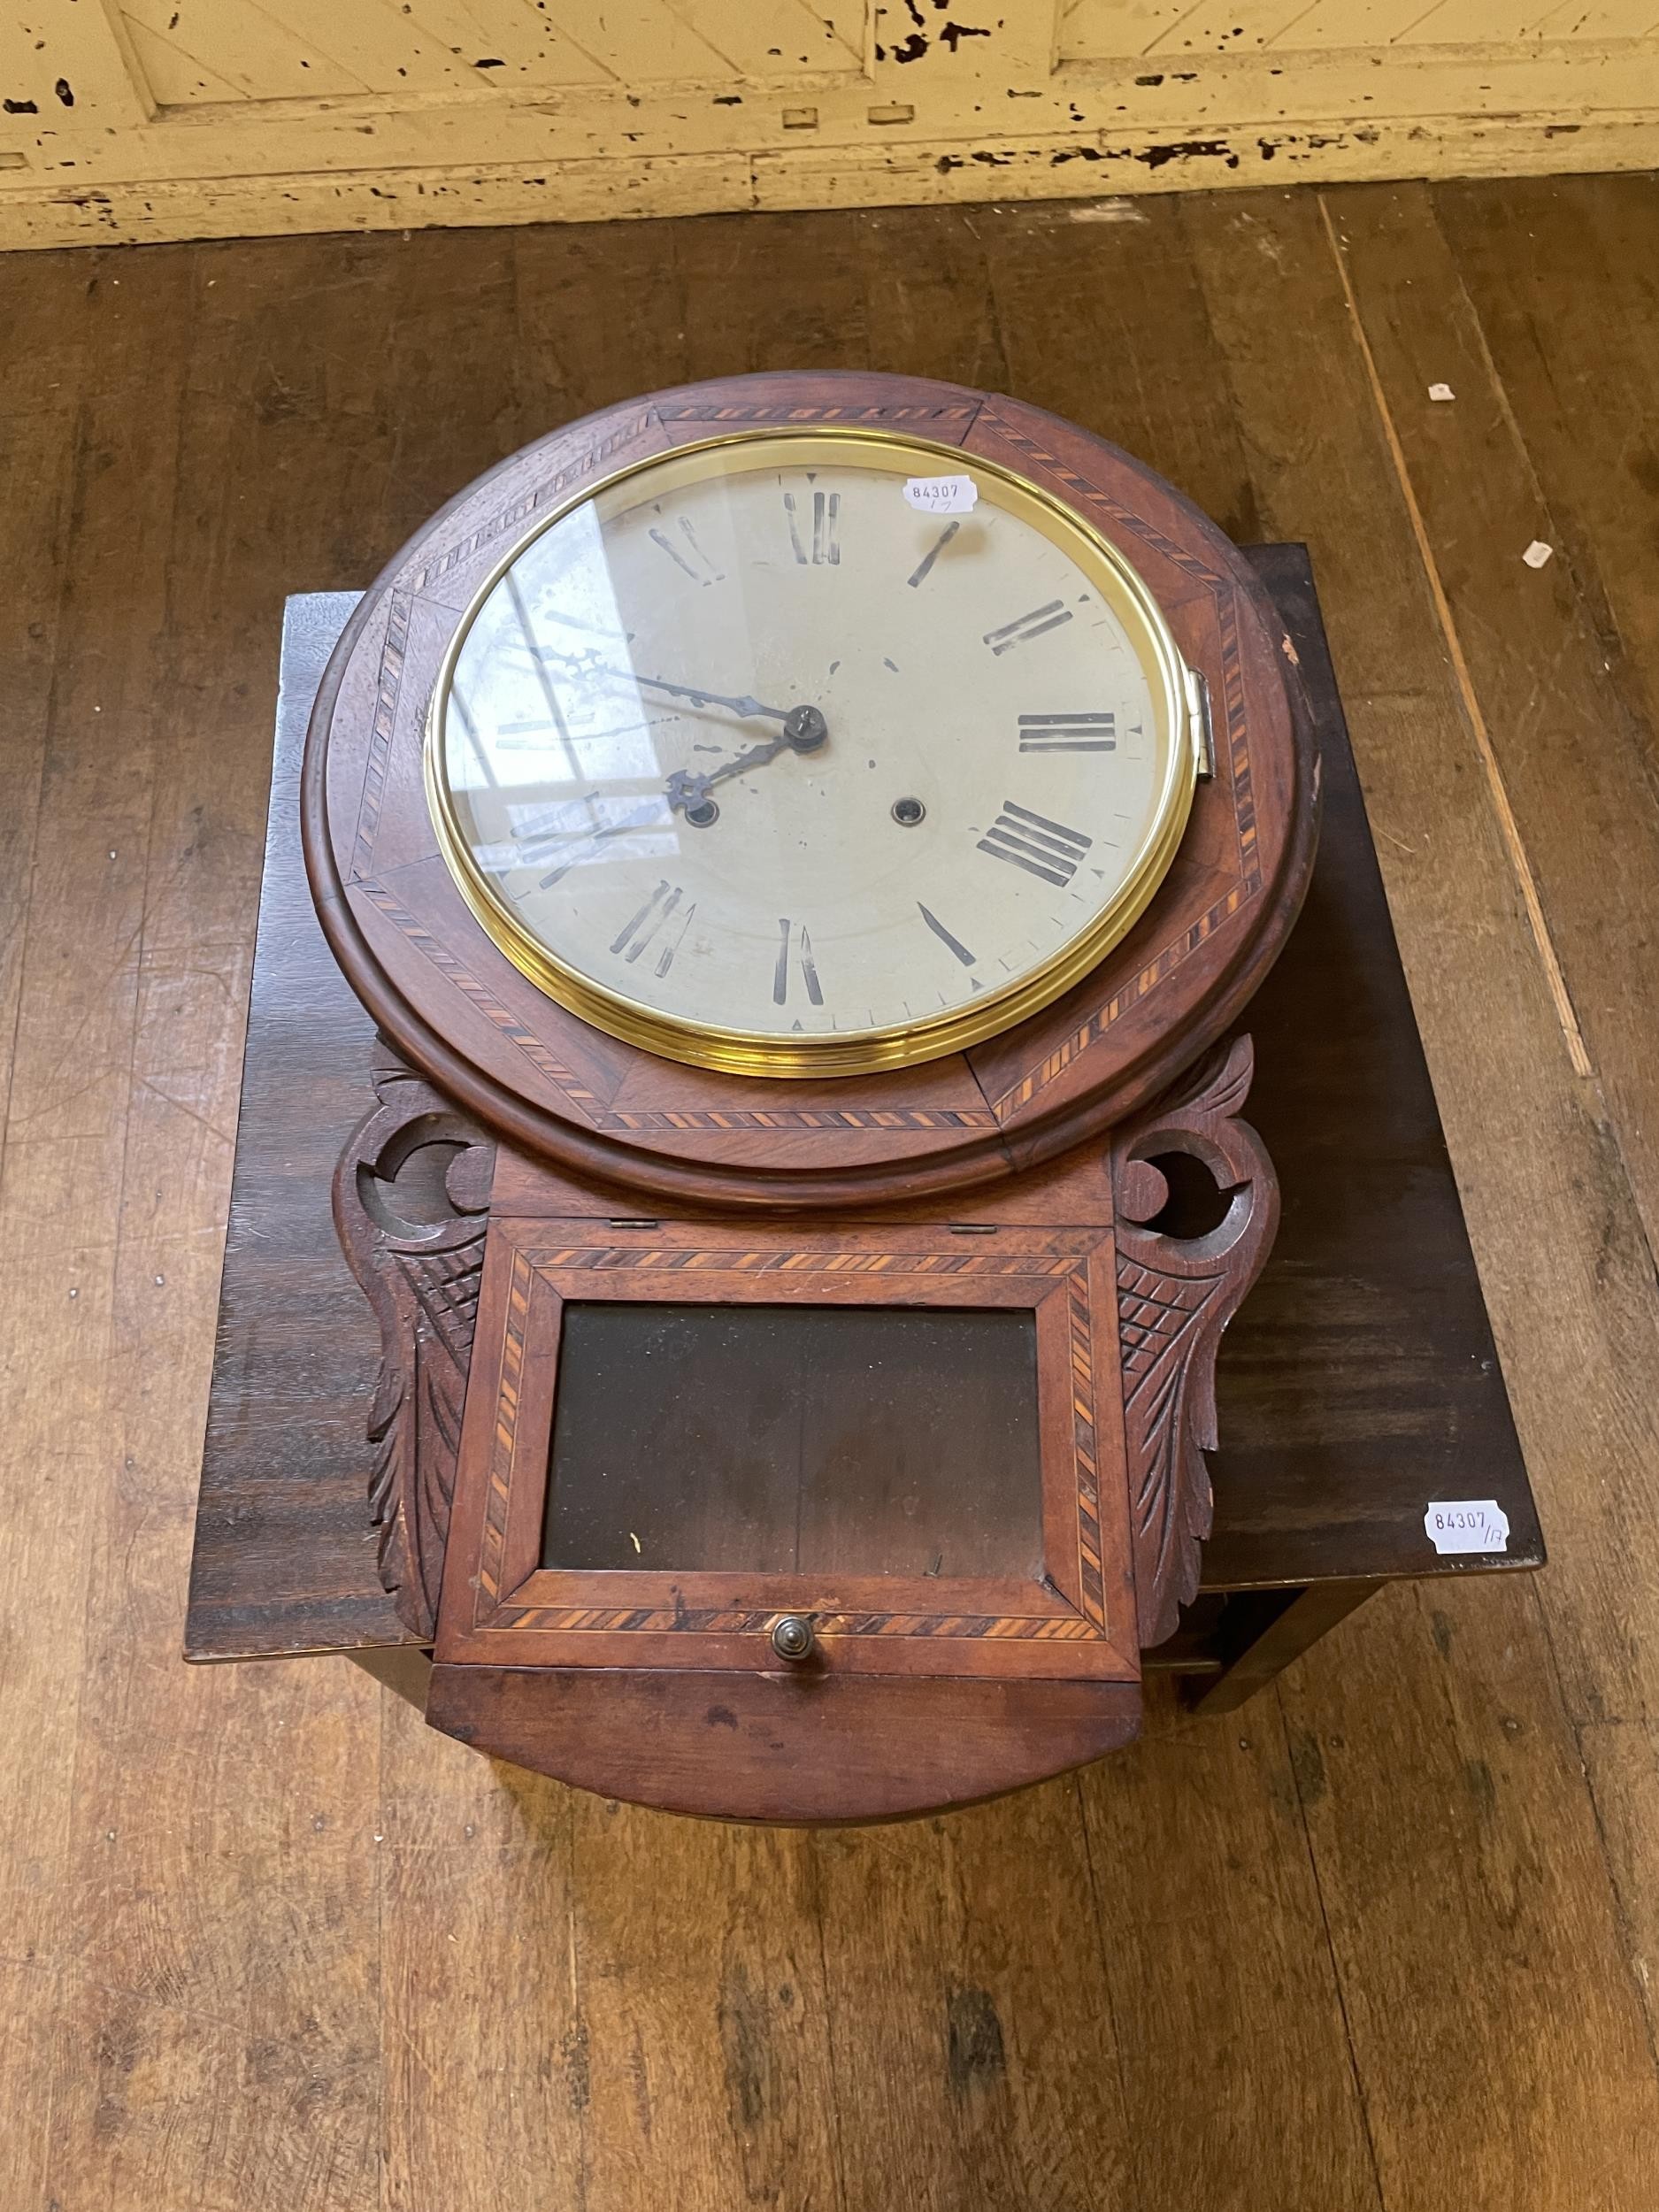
(804, 730)
(689, 787)
(742, 703)
(751, 709)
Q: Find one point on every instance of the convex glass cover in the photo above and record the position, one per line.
(750, 758)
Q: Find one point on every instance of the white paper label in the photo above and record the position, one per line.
(940, 495)
(1536, 553)
(1468, 1525)
(1441, 391)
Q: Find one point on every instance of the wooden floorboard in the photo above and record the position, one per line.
(1387, 1938)
(1568, 748)
(1562, 279)
(1557, 1234)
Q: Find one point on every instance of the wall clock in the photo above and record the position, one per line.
(806, 843)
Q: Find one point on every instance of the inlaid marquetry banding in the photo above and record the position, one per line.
(1090, 1578)
(1056, 1062)
(518, 511)
(1226, 597)
(748, 1145)
(624, 1122)
(565, 1259)
(913, 418)
(394, 646)
(456, 973)
(509, 1397)
(662, 1123)
(1053, 1628)
(1170, 955)
(725, 1260)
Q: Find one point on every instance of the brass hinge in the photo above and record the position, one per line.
(1198, 721)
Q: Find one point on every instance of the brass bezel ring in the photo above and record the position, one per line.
(759, 1053)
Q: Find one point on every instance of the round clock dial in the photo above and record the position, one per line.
(749, 759)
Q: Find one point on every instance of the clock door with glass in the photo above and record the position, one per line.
(806, 843)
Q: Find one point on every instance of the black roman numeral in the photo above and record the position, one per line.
(1068, 733)
(793, 939)
(659, 912)
(582, 841)
(1026, 627)
(920, 575)
(1033, 842)
(821, 547)
(689, 555)
(945, 936)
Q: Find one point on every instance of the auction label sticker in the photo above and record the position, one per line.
(942, 495)
(1467, 1525)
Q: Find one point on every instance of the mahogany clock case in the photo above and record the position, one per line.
(456, 1008)
(587, 1172)
(1020, 1635)
(1358, 1378)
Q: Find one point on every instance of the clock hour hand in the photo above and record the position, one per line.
(690, 787)
(804, 730)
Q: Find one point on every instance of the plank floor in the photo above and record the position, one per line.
(1387, 1940)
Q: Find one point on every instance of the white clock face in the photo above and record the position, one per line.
(748, 748)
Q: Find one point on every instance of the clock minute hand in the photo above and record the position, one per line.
(743, 704)
(754, 710)
(804, 728)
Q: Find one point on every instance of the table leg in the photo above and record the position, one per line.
(1262, 1630)
(404, 1668)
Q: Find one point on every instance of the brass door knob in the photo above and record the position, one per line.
(792, 1637)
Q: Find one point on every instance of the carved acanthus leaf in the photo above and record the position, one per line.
(1176, 1295)
(411, 1194)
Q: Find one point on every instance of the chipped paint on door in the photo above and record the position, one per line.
(133, 120)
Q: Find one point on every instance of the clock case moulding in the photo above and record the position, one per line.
(454, 1004)
(1044, 1137)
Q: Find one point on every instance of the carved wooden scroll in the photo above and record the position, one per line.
(1176, 1293)
(411, 1194)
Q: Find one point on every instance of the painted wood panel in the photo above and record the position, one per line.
(133, 120)
(1104, 30)
(496, 48)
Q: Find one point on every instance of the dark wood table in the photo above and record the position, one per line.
(1358, 1384)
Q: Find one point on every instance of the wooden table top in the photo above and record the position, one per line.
(1358, 1384)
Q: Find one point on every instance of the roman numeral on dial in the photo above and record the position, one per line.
(688, 554)
(946, 937)
(1068, 733)
(795, 958)
(661, 913)
(583, 842)
(1024, 627)
(1033, 842)
(814, 528)
(920, 575)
